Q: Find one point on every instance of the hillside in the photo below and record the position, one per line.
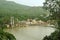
(22, 12)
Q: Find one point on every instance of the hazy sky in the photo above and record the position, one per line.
(30, 2)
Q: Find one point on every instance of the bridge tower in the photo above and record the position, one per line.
(12, 21)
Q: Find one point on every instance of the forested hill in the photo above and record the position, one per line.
(22, 12)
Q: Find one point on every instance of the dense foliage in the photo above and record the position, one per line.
(22, 12)
(53, 6)
(6, 36)
(54, 36)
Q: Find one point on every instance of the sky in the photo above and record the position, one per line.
(29, 2)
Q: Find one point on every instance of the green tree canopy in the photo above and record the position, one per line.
(53, 6)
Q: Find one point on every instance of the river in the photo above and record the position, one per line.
(31, 32)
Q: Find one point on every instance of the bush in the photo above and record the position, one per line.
(6, 36)
(54, 36)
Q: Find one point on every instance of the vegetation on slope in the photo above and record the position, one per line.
(22, 12)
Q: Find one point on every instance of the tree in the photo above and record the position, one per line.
(53, 6)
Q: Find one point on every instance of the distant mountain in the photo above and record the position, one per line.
(22, 12)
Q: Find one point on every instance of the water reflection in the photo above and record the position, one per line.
(31, 32)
